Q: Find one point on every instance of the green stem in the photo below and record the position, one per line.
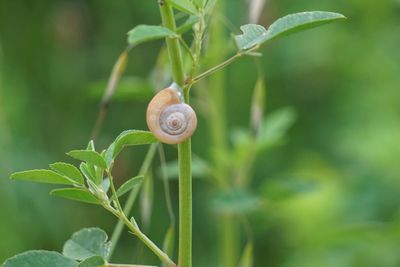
(119, 213)
(184, 149)
(228, 236)
(132, 197)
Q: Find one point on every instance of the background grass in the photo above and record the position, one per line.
(330, 193)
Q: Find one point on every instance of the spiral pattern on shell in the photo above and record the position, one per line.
(170, 120)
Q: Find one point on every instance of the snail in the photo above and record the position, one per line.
(169, 118)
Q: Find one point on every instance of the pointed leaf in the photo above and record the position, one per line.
(42, 176)
(89, 173)
(247, 256)
(128, 138)
(88, 156)
(254, 34)
(145, 33)
(39, 258)
(75, 194)
(184, 5)
(68, 170)
(275, 126)
(95, 261)
(86, 243)
(128, 185)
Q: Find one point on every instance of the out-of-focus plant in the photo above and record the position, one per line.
(93, 181)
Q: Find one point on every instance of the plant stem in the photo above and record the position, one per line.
(132, 197)
(184, 149)
(228, 236)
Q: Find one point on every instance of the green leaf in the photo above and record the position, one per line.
(145, 33)
(68, 170)
(75, 194)
(128, 185)
(184, 5)
(236, 202)
(128, 138)
(89, 173)
(42, 176)
(39, 258)
(247, 256)
(275, 126)
(254, 35)
(187, 25)
(95, 261)
(88, 156)
(86, 243)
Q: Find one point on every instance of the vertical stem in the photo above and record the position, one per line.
(184, 149)
(228, 235)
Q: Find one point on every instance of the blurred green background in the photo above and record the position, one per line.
(331, 193)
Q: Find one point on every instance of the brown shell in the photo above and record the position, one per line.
(158, 104)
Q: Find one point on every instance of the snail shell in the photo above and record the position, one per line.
(169, 119)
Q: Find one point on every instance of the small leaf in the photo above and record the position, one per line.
(254, 34)
(39, 258)
(275, 126)
(89, 173)
(75, 194)
(145, 33)
(236, 202)
(128, 138)
(187, 25)
(42, 176)
(116, 73)
(88, 156)
(128, 185)
(247, 256)
(258, 105)
(106, 184)
(184, 5)
(86, 243)
(68, 170)
(95, 261)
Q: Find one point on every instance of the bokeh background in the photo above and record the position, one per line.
(330, 192)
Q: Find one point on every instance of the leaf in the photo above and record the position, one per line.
(86, 243)
(39, 258)
(68, 170)
(184, 5)
(89, 173)
(116, 73)
(275, 127)
(254, 34)
(128, 138)
(75, 194)
(145, 33)
(95, 261)
(187, 25)
(88, 156)
(258, 104)
(42, 176)
(247, 256)
(236, 202)
(128, 185)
